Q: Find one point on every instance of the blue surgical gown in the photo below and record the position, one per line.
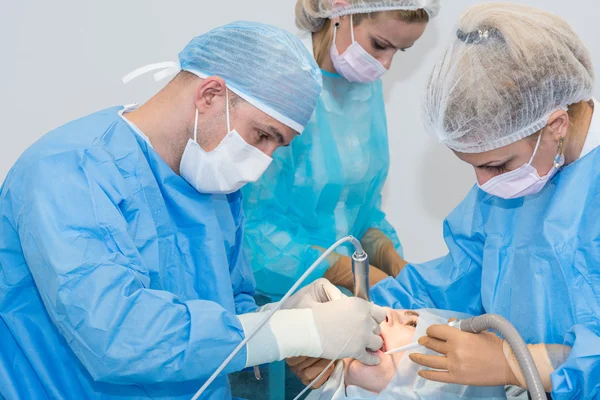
(534, 260)
(326, 185)
(117, 279)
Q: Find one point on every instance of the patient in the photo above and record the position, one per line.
(396, 376)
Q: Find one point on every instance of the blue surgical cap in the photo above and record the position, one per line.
(267, 66)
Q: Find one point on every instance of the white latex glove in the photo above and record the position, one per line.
(340, 320)
(322, 331)
(320, 291)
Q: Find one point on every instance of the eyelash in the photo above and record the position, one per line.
(262, 136)
(412, 323)
(496, 169)
(378, 45)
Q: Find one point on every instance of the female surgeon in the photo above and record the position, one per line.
(512, 96)
(328, 183)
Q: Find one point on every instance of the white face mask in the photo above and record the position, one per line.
(356, 65)
(227, 168)
(524, 180)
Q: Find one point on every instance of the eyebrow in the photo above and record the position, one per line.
(411, 313)
(277, 134)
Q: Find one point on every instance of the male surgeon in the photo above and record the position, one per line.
(122, 274)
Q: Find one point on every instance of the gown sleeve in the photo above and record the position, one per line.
(376, 217)
(579, 376)
(378, 220)
(452, 282)
(240, 269)
(96, 288)
(278, 247)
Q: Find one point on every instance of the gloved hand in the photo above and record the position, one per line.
(350, 326)
(341, 328)
(308, 368)
(340, 272)
(382, 253)
(320, 291)
(467, 358)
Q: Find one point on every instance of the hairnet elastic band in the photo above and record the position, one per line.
(365, 10)
(261, 106)
(171, 68)
(505, 141)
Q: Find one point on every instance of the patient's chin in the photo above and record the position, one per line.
(374, 378)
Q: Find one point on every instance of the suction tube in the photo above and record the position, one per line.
(518, 346)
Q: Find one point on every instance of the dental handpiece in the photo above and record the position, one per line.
(360, 271)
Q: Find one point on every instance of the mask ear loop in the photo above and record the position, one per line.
(536, 148)
(351, 28)
(227, 109)
(336, 26)
(196, 127)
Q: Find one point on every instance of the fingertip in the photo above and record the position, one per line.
(378, 313)
(371, 360)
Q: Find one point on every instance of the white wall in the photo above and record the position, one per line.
(63, 59)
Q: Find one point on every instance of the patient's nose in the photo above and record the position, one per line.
(389, 317)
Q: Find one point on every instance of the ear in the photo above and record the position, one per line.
(337, 4)
(209, 90)
(558, 125)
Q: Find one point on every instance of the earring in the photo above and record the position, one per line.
(559, 160)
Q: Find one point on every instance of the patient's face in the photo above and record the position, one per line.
(397, 330)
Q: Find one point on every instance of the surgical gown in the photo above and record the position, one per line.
(326, 185)
(533, 260)
(117, 279)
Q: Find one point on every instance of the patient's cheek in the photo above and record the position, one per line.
(373, 378)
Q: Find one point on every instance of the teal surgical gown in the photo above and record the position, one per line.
(326, 185)
(534, 260)
(118, 280)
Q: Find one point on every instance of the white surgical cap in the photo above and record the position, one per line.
(508, 68)
(266, 66)
(311, 14)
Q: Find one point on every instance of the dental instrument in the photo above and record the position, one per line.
(360, 272)
(359, 258)
(410, 346)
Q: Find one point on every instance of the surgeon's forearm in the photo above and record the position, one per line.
(547, 358)
(382, 252)
(392, 263)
